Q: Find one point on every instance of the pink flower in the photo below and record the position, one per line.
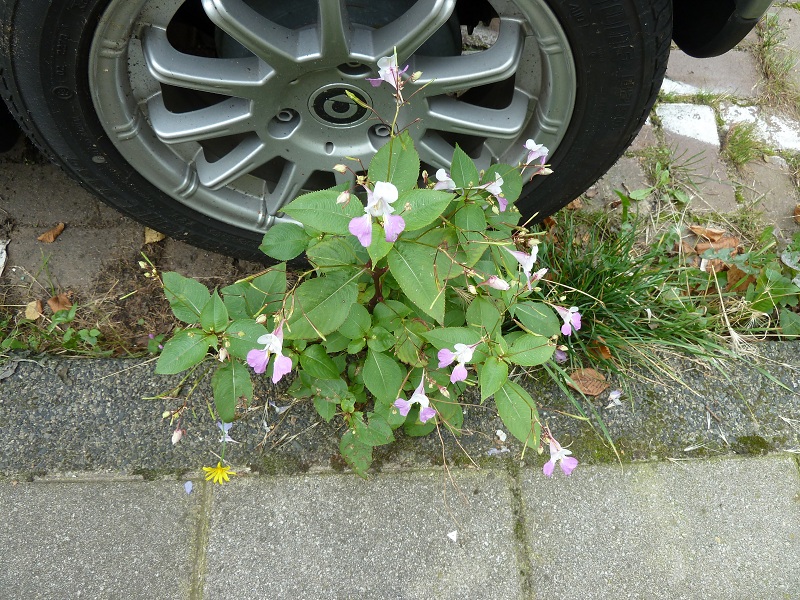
(536, 151)
(493, 187)
(389, 72)
(496, 283)
(379, 205)
(461, 354)
(572, 319)
(273, 344)
(443, 181)
(562, 455)
(426, 411)
(527, 261)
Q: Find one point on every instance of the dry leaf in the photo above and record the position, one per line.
(588, 381)
(738, 280)
(151, 236)
(797, 214)
(687, 248)
(33, 310)
(48, 237)
(711, 234)
(725, 242)
(575, 204)
(60, 302)
(600, 350)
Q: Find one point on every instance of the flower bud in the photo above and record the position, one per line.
(471, 289)
(416, 75)
(143, 265)
(223, 355)
(546, 171)
(177, 435)
(261, 319)
(340, 168)
(343, 198)
(166, 413)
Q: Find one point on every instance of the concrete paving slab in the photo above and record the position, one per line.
(626, 176)
(735, 73)
(789, 19)
(711, 188)
(684, 530)
(768, 187)
(690, 120)
(97, 540)
(341, 537)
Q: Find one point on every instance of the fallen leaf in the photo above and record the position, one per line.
(151, 236)
(60, 302)
(709, 233)
(575, 204)
(600, 350)
(588, 381)
(687, 248)
(738, 280)
(549, 222)
(33, 310)
(725, 242)
(797, 214)
(48, 237)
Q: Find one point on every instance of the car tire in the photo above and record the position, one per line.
(150, 103)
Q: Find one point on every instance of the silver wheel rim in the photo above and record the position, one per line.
(256, 127)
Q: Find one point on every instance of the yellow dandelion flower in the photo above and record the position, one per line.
(218, 474)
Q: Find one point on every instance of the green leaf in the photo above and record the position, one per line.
(284, 241)
(445, 243)
(187, 348)
(411, 266)
(379, 339)
(422, 207)
(397, 162)
(230, 382)
(321, 305)
(447, 337)
(357, 324)
(470, 217)
(335, 253)
(374, 433)
(186, 297)
(326, 410)
(378, 247)
(390, 313)
(409, 343)
(242, 336)
(214, 316)
(316, 362)
(484, 314)
(530, 350)
(320, 211)
(383, 376)
(518, 413)
(790, 323)
(493, 375)
(355, 454)
(512, 181)
(262, 295)
(463, 170)
(537, 318)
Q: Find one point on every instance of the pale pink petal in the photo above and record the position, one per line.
(426, 413)
(496, 283)
(459, 373)
(548, 468)
(282, 366)
(445, 357)
(394, 225)
(502, 203)
(576, 321)
(258, 360)
(403, 406)
(566, 329)
(568, 464)
(361, 227)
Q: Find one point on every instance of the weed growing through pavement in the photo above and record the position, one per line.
(741, 145)
(776, 61)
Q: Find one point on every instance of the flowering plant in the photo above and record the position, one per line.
(424, 289)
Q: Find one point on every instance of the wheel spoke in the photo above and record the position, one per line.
(289, 184)
(272, 43)
(435, 151)
(228, 117)
(449, 114)
(454, 73)
(230, 76)
(412, 29)
(245, 157)
(334, 29)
